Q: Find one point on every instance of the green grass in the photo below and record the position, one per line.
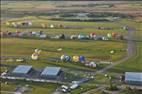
(7, 87)
(133, 64)
(83, 88)
(36, 88)
(25, 47)
(90, 49)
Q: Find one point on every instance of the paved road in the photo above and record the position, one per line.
(131, 51)
(93, 90)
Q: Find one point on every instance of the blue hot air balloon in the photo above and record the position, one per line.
(82, 59)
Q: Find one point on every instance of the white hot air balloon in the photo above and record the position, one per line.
(63, 57)
(51, 26)
(39, 51)
(36, 50)
(34, 56)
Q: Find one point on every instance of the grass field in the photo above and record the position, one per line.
(37, 88)
(16, 12)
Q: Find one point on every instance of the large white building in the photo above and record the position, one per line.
(134, 78)
(51, 73)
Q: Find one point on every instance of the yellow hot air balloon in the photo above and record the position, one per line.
(43, 25)
(7, 23)
(18, 23)
(76, 58)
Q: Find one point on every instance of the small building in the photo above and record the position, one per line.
(22, 71)
(54, 73)
(133, 78)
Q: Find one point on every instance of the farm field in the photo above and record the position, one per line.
(54, 18)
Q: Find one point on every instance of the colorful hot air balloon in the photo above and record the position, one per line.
(67, 58)
(92, 35)
(114, 34)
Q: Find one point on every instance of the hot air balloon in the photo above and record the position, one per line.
(51, 26)
(112, 51)
(43, 25)
(67, 58)
(62, 57)
(14, 24)
(92, 35)
(76, 58)
(82, 59)
(114, 34)
(73, 37)
(61, 26)
(7, 23)
(36, 50)
(34, 56)
(109, 35)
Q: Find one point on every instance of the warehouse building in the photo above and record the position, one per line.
(54, 73)
(22, 71)
(133, 78)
